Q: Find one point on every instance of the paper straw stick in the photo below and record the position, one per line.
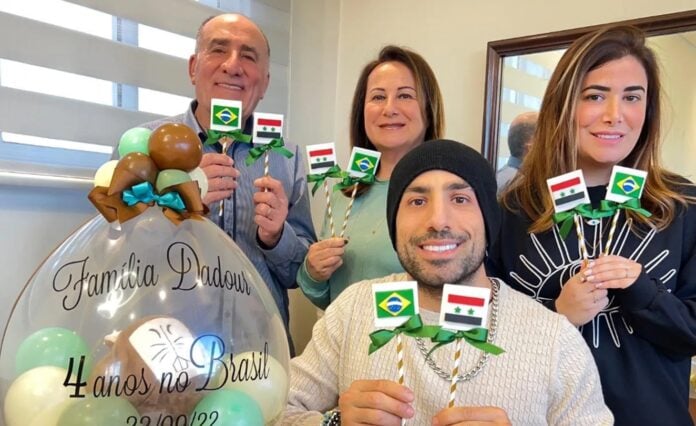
(350, 207)
(455, 373)
(266, 167)
(400, 358)
(329, 213)
(225, 144)
(612, 229)
(400, 364)
(581, 238)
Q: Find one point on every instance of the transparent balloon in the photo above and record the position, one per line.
(144, 320)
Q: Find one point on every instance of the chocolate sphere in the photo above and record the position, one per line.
(132, 169)
(175, 146)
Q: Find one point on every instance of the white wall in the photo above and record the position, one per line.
(451, 34)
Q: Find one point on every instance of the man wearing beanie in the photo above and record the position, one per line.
(442, 214)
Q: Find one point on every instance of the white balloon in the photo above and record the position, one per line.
(50, 416)
(34, 391)
(270, 392)
(104, 173)
(199, 176)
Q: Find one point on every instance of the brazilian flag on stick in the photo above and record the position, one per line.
(626, 184)
(225, 115)
(394, 302)
(363, 162)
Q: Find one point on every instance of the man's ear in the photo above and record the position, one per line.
(268, 83)
(192, 68)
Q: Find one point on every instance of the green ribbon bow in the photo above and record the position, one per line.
(276, 145)
(319, 178)
(633, 204)
(476, 337)
(566, 218)
(349, 181)
(144, 193)
(214, 136)
(411, 327)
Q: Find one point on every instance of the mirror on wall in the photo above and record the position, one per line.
(518, 71)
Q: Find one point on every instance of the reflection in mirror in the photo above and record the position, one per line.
(524, 79)
(518, 71)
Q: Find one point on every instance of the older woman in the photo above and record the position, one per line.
(396, 106)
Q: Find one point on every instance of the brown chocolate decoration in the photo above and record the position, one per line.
(132, 169)
(123, 363)
(112, 206)
(175, 146)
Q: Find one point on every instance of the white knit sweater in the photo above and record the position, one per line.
(545, 376)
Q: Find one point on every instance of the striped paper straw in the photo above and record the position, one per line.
(455, 373)
(329, 213)
(225, 144)
(266, 167)
(400, 358)
(612, 229)
(350, 207)
(400, 364)
(581, 238)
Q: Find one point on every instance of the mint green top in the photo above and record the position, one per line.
(369, 253)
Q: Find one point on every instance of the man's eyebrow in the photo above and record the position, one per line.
(417, 189)
(252, 49)
(458, 186)
(219, 42)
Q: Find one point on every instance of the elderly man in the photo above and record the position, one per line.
(268, 217)
(441, 214)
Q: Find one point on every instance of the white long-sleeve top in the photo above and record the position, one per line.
(545, 376)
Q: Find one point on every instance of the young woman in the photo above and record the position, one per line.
(636, 305)
(396, 106)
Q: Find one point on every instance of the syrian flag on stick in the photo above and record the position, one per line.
(626, 184)
(394, 303)
(267, 127)
(464, 307)
(568, 191)
(321, 157)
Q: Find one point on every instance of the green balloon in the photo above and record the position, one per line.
(170, 177)
(52, 346)
(134, 140)
(111, 411)
(233, 408)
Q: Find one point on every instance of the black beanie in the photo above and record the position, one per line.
(453, 157)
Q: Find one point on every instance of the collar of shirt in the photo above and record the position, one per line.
(514, 162)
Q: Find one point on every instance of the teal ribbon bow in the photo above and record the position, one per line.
(411, 327)
(276, 145)
(633, 204)
(476, 337)
(144, 193)
(566, 218)
(349, 181)
(214, 136)
(319, 178)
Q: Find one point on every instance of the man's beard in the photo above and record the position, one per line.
(432, 275)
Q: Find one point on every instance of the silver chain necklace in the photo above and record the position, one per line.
(483, 359)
